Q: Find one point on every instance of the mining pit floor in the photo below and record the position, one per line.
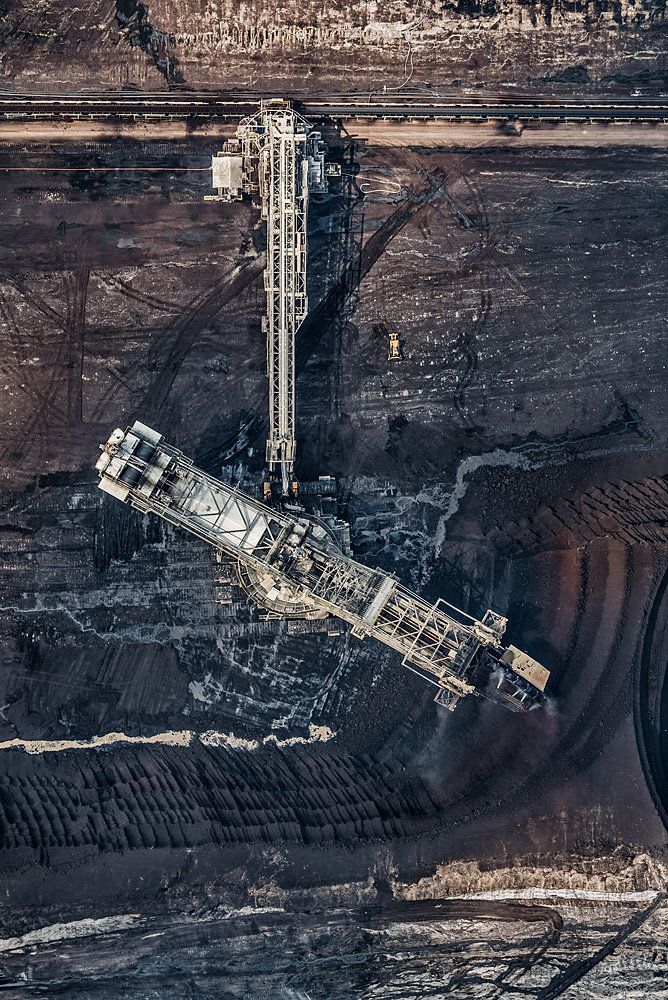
(197, 802)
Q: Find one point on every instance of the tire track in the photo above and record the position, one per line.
(464, 347)
(577, 970)
(34, 299)
(75, 330)
(187, 328)
(40, 414)
(145, 298)
(22, 371)
(343, 292)
(319, 319)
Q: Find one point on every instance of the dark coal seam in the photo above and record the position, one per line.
(134, 25)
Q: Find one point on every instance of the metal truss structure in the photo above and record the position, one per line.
(294, 566)
(289, 565)
(278, 159)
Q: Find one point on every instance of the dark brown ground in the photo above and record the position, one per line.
(513, 459)
(308, 46)
(526, 289)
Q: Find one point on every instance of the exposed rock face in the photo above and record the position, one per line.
(528, 930)
(567, 877)
(311, 47)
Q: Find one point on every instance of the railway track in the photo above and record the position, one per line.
(231, 107)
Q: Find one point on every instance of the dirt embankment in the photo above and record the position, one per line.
(368, 46)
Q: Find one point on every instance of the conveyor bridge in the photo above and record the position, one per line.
(278, 159)
(295, 567)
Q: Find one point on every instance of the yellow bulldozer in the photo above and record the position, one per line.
(394, 352)
(394, 347)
